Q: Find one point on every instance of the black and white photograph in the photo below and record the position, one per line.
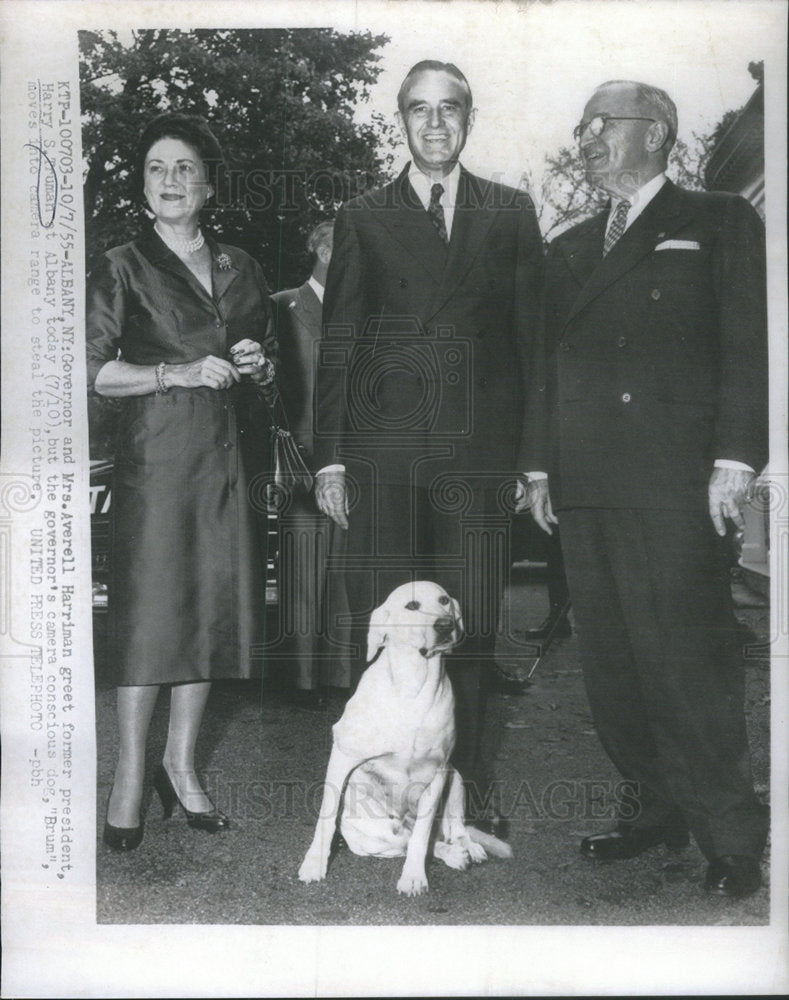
(394, 498)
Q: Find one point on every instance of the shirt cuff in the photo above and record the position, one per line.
(330, 468)
(532, 477)
(729, 463)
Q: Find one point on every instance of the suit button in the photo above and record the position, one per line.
(227, 446)
(622, 342)
(482, 382)
(655, 294)
(626, 397)
(403, 283)
(565, 346)
(218, 323)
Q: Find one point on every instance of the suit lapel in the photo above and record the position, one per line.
(403, 214)
(223, 270)
(159, 254)
(308, 304)
(663, 216)
(470, 225)
(583, 249)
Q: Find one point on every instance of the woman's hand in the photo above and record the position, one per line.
(248, 356)
(215, 373)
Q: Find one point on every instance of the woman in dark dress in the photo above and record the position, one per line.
(176, 324)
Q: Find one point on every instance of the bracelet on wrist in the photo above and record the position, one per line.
(161, 385)
(265, 373)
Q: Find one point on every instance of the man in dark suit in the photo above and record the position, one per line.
(655, 424)
(429, 320)
(307, 598)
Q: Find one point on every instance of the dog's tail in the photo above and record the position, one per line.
(498, 848)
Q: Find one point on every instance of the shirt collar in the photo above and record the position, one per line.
(422, 184)
(316, 286)
(641, 198)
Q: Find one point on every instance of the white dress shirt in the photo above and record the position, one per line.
(638, 200)
(316, 286)
(421, 185)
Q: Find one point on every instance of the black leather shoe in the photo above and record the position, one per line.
(490, 822)
(629, 841)
(733, 875)
(502, 682)
(213, 821)
(555, 626)
(122, 838)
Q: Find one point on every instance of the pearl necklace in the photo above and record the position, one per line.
(179, 245)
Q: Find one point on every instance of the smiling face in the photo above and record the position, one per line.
(175, 182)
(436, 120)
(627, 153)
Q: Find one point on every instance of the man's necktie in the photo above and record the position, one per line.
(617, 226)
(436, 211)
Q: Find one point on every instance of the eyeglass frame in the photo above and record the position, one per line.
(579, 129)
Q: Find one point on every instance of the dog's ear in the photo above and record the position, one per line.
(458, 616)
(377, 635)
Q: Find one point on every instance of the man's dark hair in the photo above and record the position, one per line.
(438, 67)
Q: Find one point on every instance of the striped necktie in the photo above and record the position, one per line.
(436, 211)
(616, 226)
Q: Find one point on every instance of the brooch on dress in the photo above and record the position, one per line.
(224, 262)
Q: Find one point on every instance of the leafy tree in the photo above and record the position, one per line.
(281, 103)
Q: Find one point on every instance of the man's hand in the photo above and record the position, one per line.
(730, 490)
(535, 497)
(331, 496)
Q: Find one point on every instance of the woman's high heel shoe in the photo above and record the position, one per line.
(122, 838)
(211, 822)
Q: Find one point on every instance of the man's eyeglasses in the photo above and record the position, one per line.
(597, 124)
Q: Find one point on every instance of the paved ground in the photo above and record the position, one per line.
(264, 760)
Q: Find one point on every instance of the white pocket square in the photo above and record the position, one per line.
(679, 245)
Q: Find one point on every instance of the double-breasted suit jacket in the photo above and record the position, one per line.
(426, 344)
(655, 356)
(655, 367)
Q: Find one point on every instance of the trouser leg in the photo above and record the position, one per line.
(669, 607)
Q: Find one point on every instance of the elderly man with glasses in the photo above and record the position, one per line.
(655, 424)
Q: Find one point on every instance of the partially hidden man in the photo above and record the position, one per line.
(429, 323)
(655, 390)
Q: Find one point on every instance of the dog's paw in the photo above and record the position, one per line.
(313, 868)
(453, 855)
(477, 852)
(412, 885)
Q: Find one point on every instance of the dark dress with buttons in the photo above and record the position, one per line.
(188, 587)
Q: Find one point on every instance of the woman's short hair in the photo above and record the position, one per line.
(190, 129)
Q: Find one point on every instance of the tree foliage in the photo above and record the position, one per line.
(281, 103)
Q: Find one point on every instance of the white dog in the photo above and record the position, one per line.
(390, 760)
